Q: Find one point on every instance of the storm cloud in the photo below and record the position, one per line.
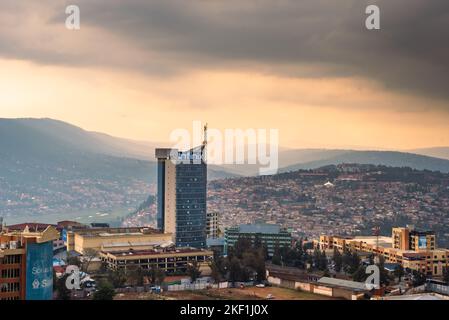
(289, 38)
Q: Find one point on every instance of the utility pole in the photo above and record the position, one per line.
(376, 231)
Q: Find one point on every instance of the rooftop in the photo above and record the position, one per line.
(421, 296)
(116, 232)
(32, 226)
(265, 228)
(385, 242)
(343, 283)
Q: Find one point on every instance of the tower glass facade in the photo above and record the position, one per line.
(191, 180)
(160, 194)
(182, 209)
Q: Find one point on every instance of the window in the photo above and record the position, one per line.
(10, 273)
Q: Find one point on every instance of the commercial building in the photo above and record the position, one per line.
(410, 239)
(111, 239)
(212, 225)
(415, 250)
(172, 260)
(58, 244)
(26, 264)
(181, 195)
(271, 235)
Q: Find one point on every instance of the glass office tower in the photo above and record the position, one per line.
(182, 183)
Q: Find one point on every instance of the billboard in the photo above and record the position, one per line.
(64, 235)
(422, 242)
(39, 271)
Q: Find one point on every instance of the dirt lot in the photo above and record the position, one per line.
(250, 293)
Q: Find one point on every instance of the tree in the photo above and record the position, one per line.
(322, 265)
(215, 272)
(73, 261)
(193, 270)
(105, 291)
(117, 278)
(88, 255)
(351, 261)
(276, 259)
(446, 275)
(156, 275)
(242, 245)
(399, 272)
(337, 258)
(384, 275)
(360, 274)
(61, 288)
(134, 275)
(418, 278)
(235, 270)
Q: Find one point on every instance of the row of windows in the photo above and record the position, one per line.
(191, 196)
(12, 259)
(10, 273)
(9, 287)
(191, 201)
(196, 244)
(192, 206)
(200, 212)
(10, 298)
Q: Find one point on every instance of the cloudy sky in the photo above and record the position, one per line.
(141, 68)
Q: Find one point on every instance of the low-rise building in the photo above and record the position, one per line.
(172, 260)
(406, 247)
(271, 235)
(113, 239)
(26, 264)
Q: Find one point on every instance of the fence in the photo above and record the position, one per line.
(438, 288)
(197, 286)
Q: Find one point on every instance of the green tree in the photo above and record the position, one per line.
(276, 259)
(338, 260)
(73, 261)
(384, 275)
(242, 245)
(446, 275)
(360, 274)
(215, 272)
(418, 278)
(193, 270)
(156, 275)
(105, 291)
(235, 270)
(88, 255)
(399, 272)
(117, 277)
(134, 275)
(61, 288)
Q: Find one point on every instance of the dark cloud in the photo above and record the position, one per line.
(410, 52)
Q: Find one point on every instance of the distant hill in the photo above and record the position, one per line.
(52, 144)
(295, 159)
(53, 170)
(387, 158)
(438, 152)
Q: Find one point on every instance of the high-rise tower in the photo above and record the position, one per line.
(181, 195)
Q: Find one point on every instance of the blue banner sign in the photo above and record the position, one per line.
(39, 271)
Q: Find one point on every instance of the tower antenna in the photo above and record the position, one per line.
(205, 135)
(203, 149)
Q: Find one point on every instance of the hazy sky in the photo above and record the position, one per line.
(139, 68)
